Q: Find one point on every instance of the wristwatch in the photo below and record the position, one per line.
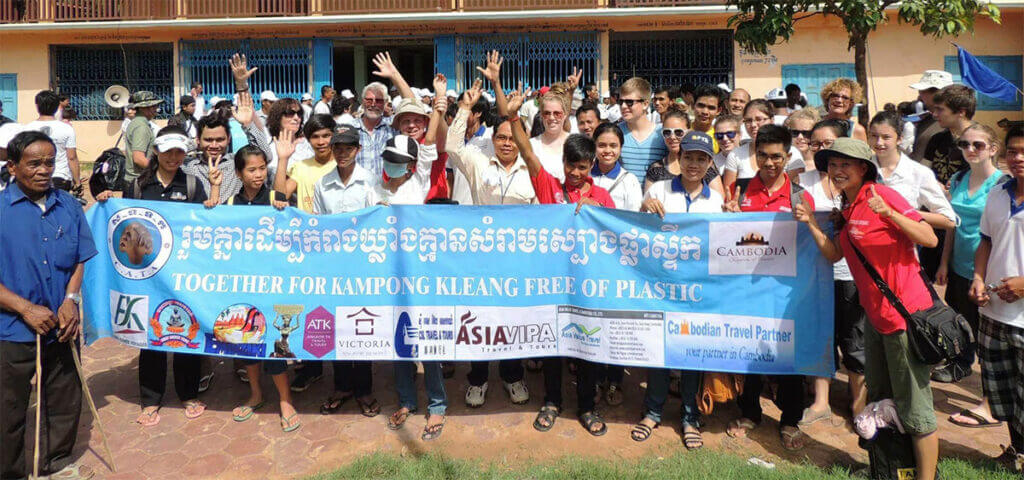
(75, 297)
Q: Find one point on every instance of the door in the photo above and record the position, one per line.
(9, 95)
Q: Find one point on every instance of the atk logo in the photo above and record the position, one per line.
(128, 318)
(580, 333)
(498, 335)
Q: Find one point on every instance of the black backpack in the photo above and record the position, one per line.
(109, 170)
(890, 455)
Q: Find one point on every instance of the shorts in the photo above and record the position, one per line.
(270, 367)
(849, 326)
(892, 371)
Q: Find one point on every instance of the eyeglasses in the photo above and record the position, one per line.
(774, 158)
(965, 145)
(841, 97)
(289, 113)
(628, 102)
(796, 133)
(673, 132)
(374, 101)
(724, 135)
(820, 145)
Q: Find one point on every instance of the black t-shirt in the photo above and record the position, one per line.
(262, 197)
(945, 158)
(176, 191)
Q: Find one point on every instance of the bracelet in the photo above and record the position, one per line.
(246, 89)
(513, 119)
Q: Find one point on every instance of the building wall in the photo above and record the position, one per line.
(897, 53)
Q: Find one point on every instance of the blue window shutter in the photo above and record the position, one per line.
(323, 64)
(811, 77)
(1008, 66)
(9, 94)
(444, 57)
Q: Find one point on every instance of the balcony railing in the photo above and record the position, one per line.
(16, 11)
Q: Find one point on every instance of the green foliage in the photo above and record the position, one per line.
(760, 24)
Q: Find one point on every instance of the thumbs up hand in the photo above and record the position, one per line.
(804, 212)
(879, 205)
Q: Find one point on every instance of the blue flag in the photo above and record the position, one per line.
(978, 76)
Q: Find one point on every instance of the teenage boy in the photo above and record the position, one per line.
(347, 188)
(707, 105)
(588, 117)
(930, 84)
(664, 97)
(66, 173)
(643, 143)
(771, 190)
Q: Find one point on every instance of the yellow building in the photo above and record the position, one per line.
(80, 47)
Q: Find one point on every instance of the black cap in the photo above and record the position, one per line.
(345, 135)
(186, 100)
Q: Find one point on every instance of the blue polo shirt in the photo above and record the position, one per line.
(637, 156)
(39, 250)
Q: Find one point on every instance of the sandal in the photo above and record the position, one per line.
(794, 439)
(589, 419)
(246, 412)
(692, 438)
(811, 416)
(533, 365)
(431, 432)
(370, 409)
(738, 428)
(397, 419)
(148, 419)
(194, 408)
(205, 381)
(287, 425)
(614, 395)
(75, 471)
(642, 432)
(982, 421)
(332, 404)
(546, 418)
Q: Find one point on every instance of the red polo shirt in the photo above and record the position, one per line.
(549, 190)
(892, 254)
(758, 199)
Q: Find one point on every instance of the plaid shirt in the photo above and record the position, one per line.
(230, 185)
(373, 143)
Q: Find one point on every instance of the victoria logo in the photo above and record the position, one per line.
(139, 241)
(364, 321)
(495, 335)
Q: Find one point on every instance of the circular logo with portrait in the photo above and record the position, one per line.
(140, 242)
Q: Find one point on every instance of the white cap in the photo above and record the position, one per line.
(450, 93)
(306, 96)
(488, 96)
(725, 87)
(268, 95)
(346, 93)
(168, 142)
(933, 79)
(775, 94)
(214, 101)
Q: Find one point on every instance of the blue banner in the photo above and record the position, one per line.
(725, 292)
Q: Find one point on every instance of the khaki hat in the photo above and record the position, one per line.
(410, 105)
(847, 147)
(144, 98)
(933, 79)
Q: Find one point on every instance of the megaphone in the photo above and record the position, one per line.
(116, 96)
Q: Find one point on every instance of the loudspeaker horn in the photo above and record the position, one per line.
(116, 96)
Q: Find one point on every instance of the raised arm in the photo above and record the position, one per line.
(440, 107)
(285, 148)
(387, 69)
(241, 72)
(456, 140)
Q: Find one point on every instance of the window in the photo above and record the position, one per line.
(1007, 66)
(83, 72)
(283, 65)
(671, 58)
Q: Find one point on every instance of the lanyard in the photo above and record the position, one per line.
(501, 183)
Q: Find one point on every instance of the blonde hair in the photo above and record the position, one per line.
(993, 137)
(638, 86)
(856, 92)
(559, 92)
(802, 114)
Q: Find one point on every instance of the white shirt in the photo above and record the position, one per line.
(303, 150)
(321, 108)
(675, 199)
(1006, 232)
(623, 187)
(482, 140)
(550, 159)
(654, 117)
(330, 195)
(739, 160)
(720, 159)
(611, 113)
(8, 131)
(812, 182)
(63, 137)
(200, 106)
(917, 184)
(414, 190)
(306, 112)
(262, 113)
(489, 182)
(347, 119)
(528, 111)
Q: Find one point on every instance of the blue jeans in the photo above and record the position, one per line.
(657, 392)
(405, 383)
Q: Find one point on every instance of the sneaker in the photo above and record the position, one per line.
(476, 395)
(1010, 459)
(517, 392)
(302, 382)
(243, 375)
(614, 394)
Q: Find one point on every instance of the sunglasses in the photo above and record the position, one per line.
(839, 96)
(796, 133)
(374, 101)
(965, 145)
(289, 113)
(629, 102)
(673, 132)
(724, 135)
(820, 145)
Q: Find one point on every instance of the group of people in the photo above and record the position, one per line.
(705, 150)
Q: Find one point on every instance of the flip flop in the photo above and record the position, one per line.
(811, 416)
(431, 432)
(743, 425)
(397, 420)
(247, 411)
(152, 418)
(287, 425)
(369, 409)
(793, 440)
(205, 381)
(194, 405)
(982, 421)
(332, 404)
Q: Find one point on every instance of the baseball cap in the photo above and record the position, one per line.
(345, 135)
(933, 79)
(543, 90)
(400, 149)
(186, 100)
(725, 88)
(695, 141)
(775, 94)
(306, 96)
(346, 93)
(847, 147)
(268, 95)
(171, 141)
(450, 93)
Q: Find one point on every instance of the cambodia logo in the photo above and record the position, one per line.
(139, 241)
(238, 330)
(173, 325)
(580, 333)
(497, 335)
(128, 315)
(752, 248)
(752, 244)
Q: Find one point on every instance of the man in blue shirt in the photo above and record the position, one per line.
(44, 243)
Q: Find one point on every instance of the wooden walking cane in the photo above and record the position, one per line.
(39, 403)
(92, 406)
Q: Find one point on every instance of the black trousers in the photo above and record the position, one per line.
(352, 376)
(61, 406)
(610, 373)
(789, 398)
(153, 376)
(957, 299)
(586, 381)
(511, 371)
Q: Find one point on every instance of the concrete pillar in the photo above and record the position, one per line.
(359, 66)
(603, 65)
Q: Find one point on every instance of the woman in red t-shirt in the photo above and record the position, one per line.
(880, 224)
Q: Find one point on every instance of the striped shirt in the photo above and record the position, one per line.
(637, 156)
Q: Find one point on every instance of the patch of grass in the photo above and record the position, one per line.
(698, 465)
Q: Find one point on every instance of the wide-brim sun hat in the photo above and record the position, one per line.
(144, 98)
(409, 106)
(851, 148)
(933, 79)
